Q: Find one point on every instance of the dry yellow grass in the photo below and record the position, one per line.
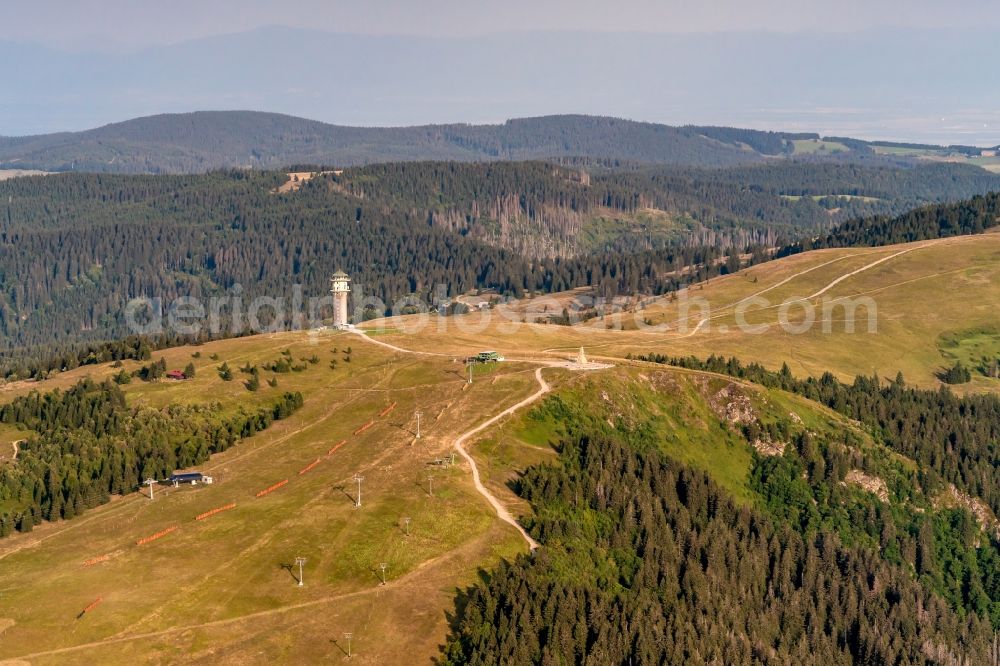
(6, 174)
(297, 178)
(217, 589)
(921, 291)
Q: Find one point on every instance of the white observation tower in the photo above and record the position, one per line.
(340, 287)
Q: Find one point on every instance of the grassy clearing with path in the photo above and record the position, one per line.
(936, 287)
(10, 436)
(228, 574)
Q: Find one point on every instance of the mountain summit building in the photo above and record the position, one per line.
(340, 287)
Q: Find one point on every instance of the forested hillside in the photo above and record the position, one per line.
(968, 217)
(536, 209)
(951, 442)
(653, 563)
(206, 140)
(75, 248)
(836, 549)
(911, 421)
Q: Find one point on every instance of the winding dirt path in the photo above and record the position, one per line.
(367, 338)
(862, 270)
(502, 512)
(724, 310)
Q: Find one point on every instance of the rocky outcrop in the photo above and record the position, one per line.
(984, 516)
(872, 484)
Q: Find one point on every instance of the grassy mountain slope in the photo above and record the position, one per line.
(227, 577)
(224, 588)
(935, 303)
(932, 299)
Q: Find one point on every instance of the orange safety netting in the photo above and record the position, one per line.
(271, 489)
(207, 514)
(308, 467)
(94, 604)
(153, 537)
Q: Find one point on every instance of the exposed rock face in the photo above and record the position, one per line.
(955, 497)
(872, 484)
(766, 448)
(733, 405)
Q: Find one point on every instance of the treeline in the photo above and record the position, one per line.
(978, 214)
(765, 143)
(953, 439)
(39, 361)
(646, 561)
(88, 445)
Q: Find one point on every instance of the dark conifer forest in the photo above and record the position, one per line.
(974, 216)
(645, 561)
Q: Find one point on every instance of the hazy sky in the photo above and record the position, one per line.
(111, 24)
(866, 68)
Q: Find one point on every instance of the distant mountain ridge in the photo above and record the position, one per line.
(201, 141)
(205, 140)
